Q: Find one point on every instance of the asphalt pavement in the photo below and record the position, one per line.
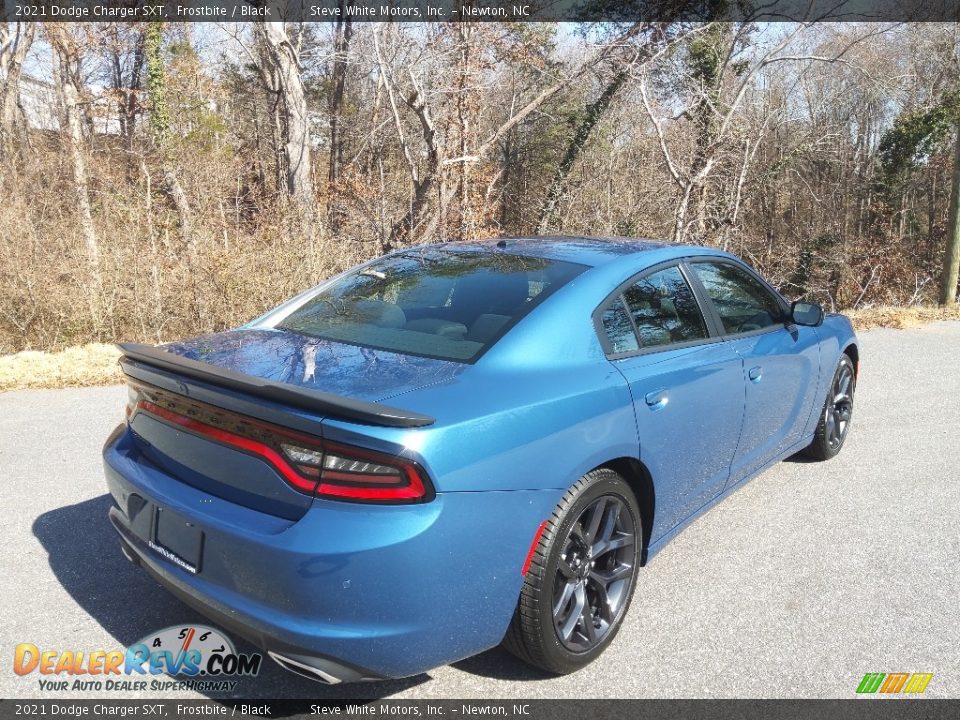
(794, 586)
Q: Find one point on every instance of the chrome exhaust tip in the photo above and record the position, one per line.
(301, 668)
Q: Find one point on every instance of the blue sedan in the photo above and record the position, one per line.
(460, 445)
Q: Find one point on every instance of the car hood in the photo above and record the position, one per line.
(316, 364)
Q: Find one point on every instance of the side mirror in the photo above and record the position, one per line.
(804, 313)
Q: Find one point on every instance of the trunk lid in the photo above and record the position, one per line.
(186, 428)
(315, 364)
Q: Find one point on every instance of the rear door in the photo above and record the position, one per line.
(781, 360)
(686, 384)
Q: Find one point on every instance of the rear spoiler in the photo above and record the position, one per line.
(315, 401)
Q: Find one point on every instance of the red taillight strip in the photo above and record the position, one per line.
(179, 402)
(413, 490)
(354, 485)
(257, 448)
(533, 548)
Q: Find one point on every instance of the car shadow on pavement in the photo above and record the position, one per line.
(801, 458)
(85, 557)
(497, 663)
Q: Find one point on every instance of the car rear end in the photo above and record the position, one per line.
(249, 520)
(311, 523)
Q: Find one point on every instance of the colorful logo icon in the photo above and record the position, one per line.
(893, 683)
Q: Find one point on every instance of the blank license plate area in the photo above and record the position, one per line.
(178, 539)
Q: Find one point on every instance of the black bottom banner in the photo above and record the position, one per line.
(892, 709)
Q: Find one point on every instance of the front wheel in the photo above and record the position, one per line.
(581, 579)
(837, 413)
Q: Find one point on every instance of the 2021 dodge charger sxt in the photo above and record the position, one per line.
(464, 444)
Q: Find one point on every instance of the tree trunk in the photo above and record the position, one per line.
(292, 95)
(127, 89)
(343, 33)
(951, 259)
(14, 44)
(179, 199)
(66, 58)
(282, 78)
(422, 183)
(463, 222)
(156, 84)
(160, 130)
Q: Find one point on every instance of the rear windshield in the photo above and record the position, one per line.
(450, 305)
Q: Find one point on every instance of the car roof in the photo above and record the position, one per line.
(585, 250)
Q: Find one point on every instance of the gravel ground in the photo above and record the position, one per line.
(795, 586)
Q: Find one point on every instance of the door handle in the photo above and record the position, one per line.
(755, 374)
(657, 400)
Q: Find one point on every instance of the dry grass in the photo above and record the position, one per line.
(93, 364)
(96, 363)
(901, 317)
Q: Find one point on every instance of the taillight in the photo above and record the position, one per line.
(350, 472)
(355, 473)
(307, 463)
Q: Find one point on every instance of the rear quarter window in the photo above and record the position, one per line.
(619, 329)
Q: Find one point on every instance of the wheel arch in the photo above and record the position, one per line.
(641, 482)
(853, 352)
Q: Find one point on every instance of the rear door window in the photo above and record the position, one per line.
(664, 309)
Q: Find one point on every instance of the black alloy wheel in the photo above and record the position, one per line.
(837, 412)
(839, 407)
(577, 590)
(594, 574)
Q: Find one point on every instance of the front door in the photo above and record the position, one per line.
(781, 362)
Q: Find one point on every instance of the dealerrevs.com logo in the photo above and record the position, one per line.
(202, 656)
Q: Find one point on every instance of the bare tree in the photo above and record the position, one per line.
(123, 50)
(287, 84)
(15, 41)
(67, 58)
(343, 32)
(160, 133)
(424, 178)
(623, 61)
(717, 77)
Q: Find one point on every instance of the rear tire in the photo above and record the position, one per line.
(836, 413)
(581, 578)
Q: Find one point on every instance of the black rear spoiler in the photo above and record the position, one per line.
(359, 411)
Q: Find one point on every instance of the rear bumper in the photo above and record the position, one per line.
(298, 660)
(356, 591)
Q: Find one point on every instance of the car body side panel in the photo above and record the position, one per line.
(532, 430)
(786, 365)
(688, 441)
(834, 336)
(664, 540)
